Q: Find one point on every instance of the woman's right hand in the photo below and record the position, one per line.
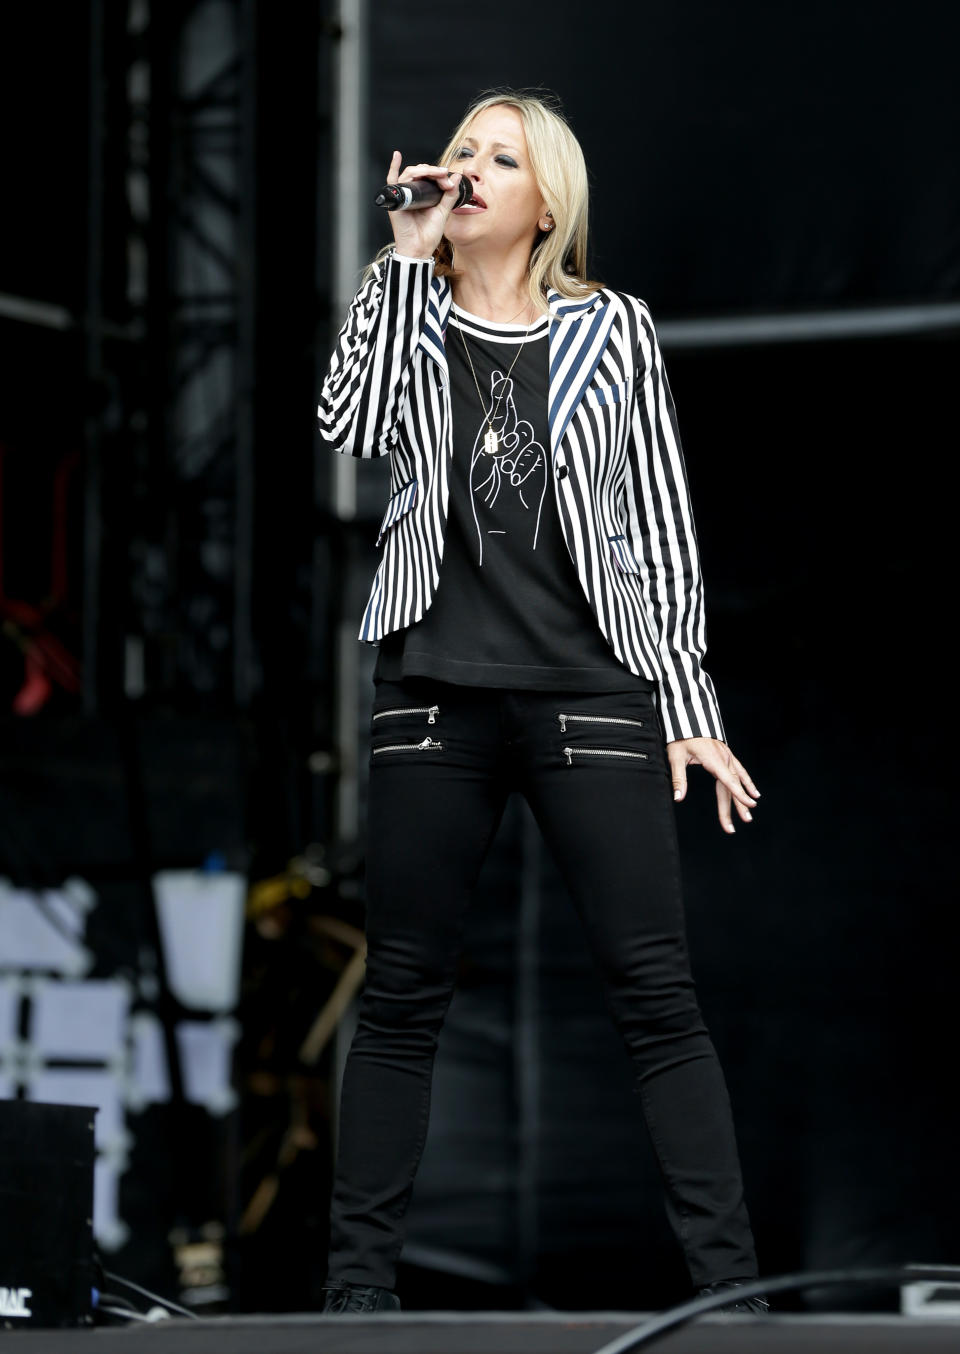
(418, 233)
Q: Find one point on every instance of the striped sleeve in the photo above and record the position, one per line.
(663, 539)
(363, 393)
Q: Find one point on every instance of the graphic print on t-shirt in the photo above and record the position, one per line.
(515, 473)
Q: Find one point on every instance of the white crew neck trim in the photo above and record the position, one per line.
(507, 334)
(507, 327)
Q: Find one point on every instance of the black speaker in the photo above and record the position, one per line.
(46, 1214)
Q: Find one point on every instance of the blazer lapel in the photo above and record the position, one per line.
(438, 310)
(578, 335)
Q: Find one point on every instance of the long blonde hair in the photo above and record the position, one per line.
(558, 259)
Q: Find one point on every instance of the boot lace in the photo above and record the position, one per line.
(351, 1299)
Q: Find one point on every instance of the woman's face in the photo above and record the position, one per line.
(507, 204)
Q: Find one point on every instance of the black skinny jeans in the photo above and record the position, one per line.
(600, 792)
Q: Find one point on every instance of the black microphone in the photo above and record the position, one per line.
(419, 193)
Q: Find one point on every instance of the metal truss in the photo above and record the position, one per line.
(191, 271)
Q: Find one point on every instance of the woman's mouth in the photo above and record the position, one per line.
(475, 204)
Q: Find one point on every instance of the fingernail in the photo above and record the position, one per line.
(676, 794)
(748, 817)
(731, 829)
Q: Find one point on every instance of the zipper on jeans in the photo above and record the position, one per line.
(431, 711)
(596, 719)
(570, 753)
(428, 745)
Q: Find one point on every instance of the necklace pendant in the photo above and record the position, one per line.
(491, 442)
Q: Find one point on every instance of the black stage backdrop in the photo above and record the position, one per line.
(744, 156)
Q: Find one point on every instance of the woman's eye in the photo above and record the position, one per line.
(506, 160)
(463, 152)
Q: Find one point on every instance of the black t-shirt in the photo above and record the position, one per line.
(509, 610)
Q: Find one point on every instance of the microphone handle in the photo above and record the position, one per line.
(418, 193)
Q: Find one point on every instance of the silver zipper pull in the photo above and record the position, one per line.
(432, 714)
(568, 753)
(563, 723)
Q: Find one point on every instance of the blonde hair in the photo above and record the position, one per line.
(558, 259)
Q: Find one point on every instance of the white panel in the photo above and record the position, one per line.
(201, 919)
(108, 1228)
(939, 1301)
(206, 1054)
(79, 1020)
(9, 1012)
(42, 931)
(150, 1079)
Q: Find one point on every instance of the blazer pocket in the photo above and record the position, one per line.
(606, 395)
(398, 505)
(622, 554)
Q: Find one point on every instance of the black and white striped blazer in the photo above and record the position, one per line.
(618, 471)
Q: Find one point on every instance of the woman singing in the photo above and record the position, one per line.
(539, 613)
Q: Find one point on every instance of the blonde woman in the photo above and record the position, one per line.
(539, 615)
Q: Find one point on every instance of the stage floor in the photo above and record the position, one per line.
(504, 1333)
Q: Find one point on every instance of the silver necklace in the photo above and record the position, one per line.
(491, 442)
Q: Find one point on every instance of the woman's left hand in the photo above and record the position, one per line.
(733, 780)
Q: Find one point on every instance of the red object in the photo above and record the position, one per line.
(27, 624)
(36, 689)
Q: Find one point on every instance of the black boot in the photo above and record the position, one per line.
(340, 1298)
(753, 1306)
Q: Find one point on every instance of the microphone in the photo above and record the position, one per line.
(419, 193)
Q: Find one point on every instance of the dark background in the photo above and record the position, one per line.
(746, 159)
